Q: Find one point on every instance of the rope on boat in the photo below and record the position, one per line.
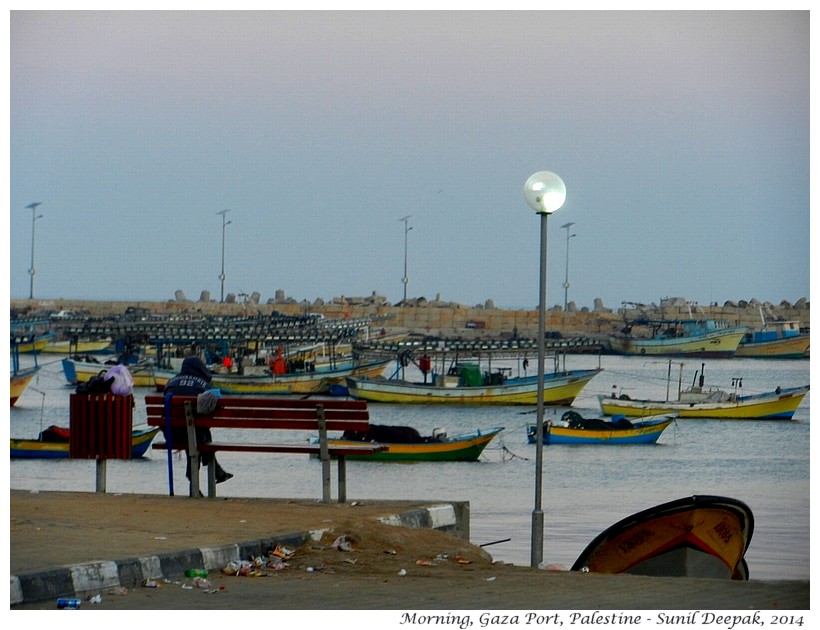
(505, 451)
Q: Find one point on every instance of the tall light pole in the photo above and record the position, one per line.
(222, 274)
(405, 279)
(567, 226)
(545, 192)
(31, 270)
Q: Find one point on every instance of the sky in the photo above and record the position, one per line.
(682, 137)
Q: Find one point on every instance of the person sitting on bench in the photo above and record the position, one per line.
(193, 379)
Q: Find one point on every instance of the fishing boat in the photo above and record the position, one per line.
(53, 443)
(144, 373)
(77, 346)
(776, 339)
(700, 536)
(464, 384)
(35, 343)
(713, 403)
(20, 379)
(579, 430)
(311, 381)
(406, 444)
(678, 337)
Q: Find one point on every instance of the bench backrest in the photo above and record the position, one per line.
(264, 412)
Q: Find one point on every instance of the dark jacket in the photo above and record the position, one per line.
(193, 378)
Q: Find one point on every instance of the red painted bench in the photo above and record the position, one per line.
(264, 413)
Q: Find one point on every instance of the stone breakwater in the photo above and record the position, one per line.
(439, 318)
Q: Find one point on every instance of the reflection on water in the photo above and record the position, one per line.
(586, 488)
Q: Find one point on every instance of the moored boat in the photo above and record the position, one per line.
(779, 339)
(145, 374)
(80, 346)
(35, 343)
(712, 403)
(53, 443)
(469, 387)
(699, 536)
(405, 444)
(20, 379)
(316, 381)
(679, 338)
(576, 429)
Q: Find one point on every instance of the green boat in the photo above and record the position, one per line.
(405, 444)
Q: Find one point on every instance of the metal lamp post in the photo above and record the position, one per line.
(222, 274)
(545, 193)
(405, 279)
(567, 226)
(31, 270)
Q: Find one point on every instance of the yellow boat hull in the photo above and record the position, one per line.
(772, 406)
(80, 347)
(788, 348)
(19, 382)
(300, 383)
(699, 536)
(143, 376)
(716, 345)
(559, 389)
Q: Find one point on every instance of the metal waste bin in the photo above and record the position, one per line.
(100, 429)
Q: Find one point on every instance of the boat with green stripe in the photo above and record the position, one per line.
(439, 447)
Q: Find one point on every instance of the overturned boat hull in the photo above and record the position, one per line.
(698, 536)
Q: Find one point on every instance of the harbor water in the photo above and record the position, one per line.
(585, 488)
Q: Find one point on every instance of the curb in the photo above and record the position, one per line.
(77, 580)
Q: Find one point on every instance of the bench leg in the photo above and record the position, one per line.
(342, 472)
(323, 453)
(326, 481)
(212, 478)
(193, 463)
(193, 453)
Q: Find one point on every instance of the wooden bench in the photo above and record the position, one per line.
(265, 413)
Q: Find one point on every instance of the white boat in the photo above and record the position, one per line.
(466, 385)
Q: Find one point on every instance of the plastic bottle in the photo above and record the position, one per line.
(68, 603)
(193, 573)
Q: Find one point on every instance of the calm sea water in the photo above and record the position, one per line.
(585, 489)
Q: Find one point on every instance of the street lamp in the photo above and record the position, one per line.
(405, 279)
(222, 275)
(545, 192)
(31, 270)
(567, 226)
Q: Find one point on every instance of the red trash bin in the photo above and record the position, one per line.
(100, 426)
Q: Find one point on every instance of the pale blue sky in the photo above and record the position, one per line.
(682, 137)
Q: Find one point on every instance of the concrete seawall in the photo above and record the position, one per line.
(442, 318)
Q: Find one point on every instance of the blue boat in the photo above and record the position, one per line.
(579, 430)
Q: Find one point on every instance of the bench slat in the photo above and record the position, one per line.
(268, 414)
(265, 402)
(308, 449)
(271, 425)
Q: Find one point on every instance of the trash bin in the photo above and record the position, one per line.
(100, 426)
